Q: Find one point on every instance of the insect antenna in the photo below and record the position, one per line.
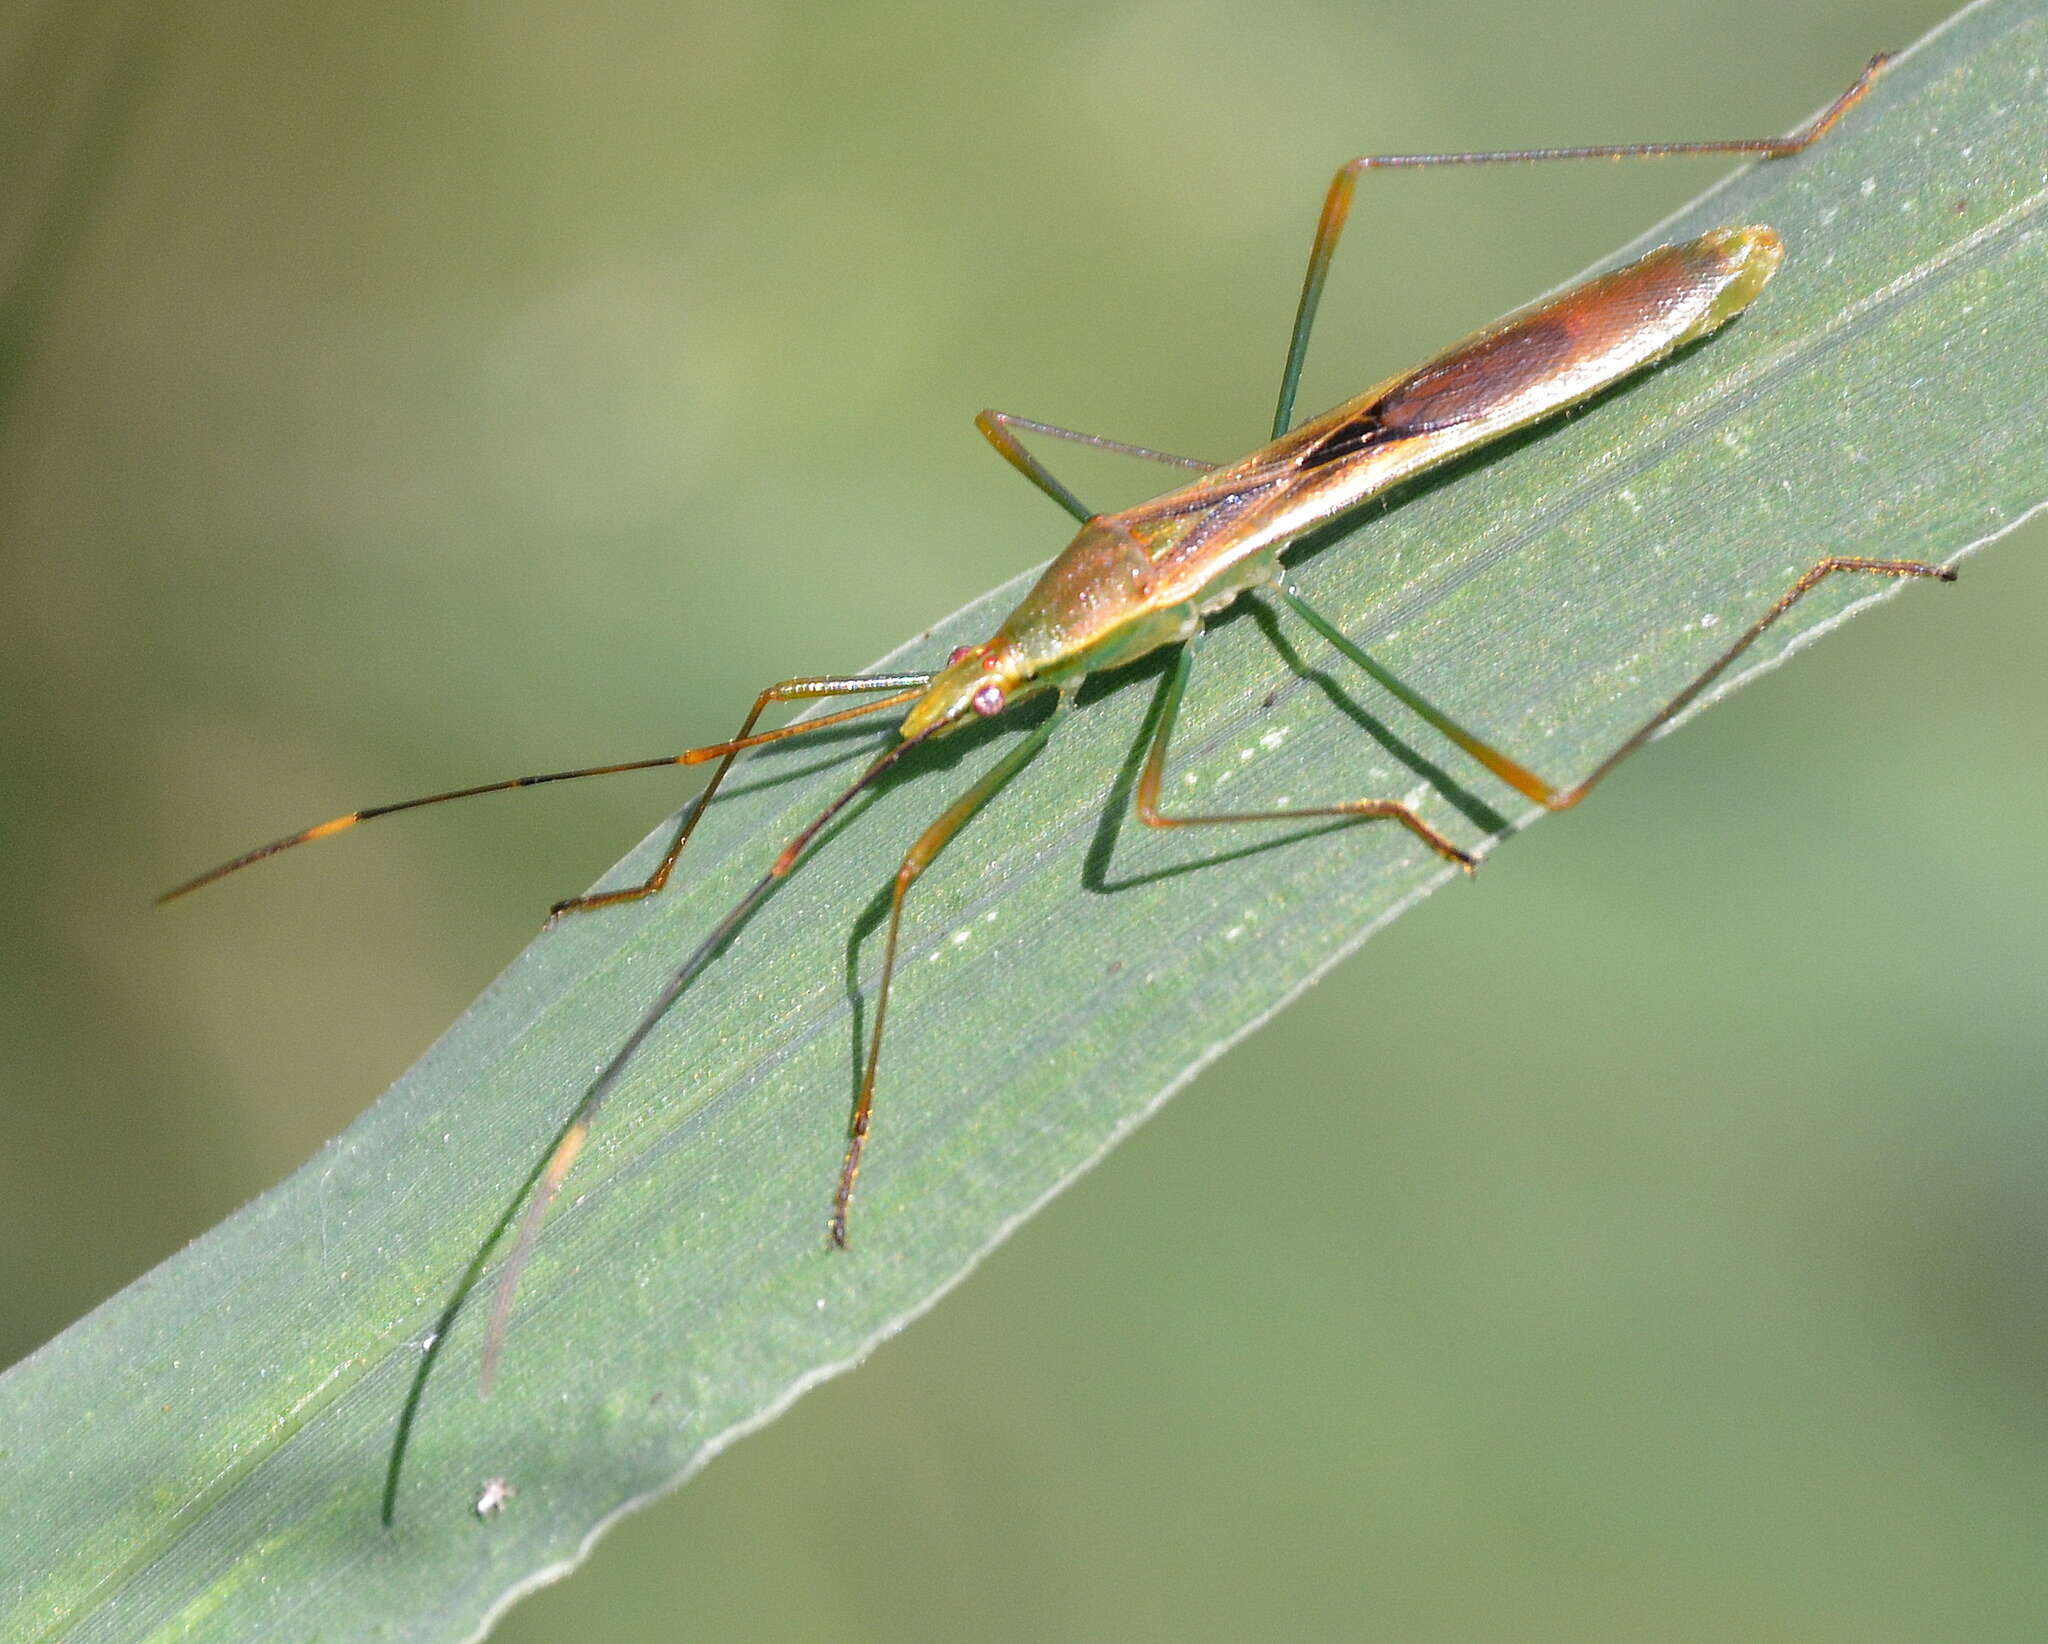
(689, 756)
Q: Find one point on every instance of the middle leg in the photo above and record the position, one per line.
(1362, 810)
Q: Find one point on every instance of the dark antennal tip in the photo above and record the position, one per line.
(250, 858)
(211, 874)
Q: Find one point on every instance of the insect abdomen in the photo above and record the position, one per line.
(1594, 334)
(1559, 351)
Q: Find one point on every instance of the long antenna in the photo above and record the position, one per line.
(689, 756)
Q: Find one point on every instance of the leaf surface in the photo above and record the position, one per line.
(205, 1455)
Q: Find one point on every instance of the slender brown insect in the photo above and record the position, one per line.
(1146, 577)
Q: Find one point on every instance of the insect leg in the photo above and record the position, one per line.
(1515, 776)
(996, 425)
(1337, 202)
(545, 1180)
(1685, 698)
(1361, 809)
(1534, 787)
(905, 687)
(915, 860)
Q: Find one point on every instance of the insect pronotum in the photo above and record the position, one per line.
(1146, 577)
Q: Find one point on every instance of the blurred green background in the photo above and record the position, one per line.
(1648, 1241)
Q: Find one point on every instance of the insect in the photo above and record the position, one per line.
(1147, 577)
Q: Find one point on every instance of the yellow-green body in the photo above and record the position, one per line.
(1132, 581)
(1135, 581)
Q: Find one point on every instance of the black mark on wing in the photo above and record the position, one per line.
(1347, 439)
(1470, 382)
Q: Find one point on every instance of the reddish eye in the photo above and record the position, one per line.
(960, 654)
(988, 700)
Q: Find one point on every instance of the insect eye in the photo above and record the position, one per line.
(988, 700)
(960, 654)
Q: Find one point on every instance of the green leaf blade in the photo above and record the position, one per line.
(204, 1456)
